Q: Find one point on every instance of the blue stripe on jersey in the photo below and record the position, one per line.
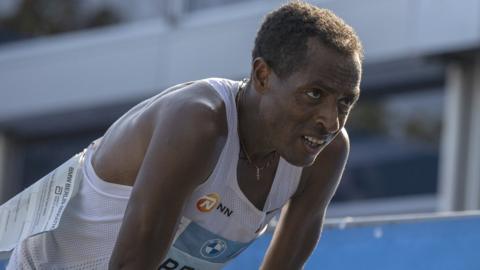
(203, 244)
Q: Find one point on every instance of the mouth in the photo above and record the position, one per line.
(313, 144)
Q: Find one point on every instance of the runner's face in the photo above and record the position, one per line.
(306, 110)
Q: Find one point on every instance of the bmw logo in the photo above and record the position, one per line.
(213, 248)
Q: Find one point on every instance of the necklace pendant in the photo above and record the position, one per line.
(258, 174)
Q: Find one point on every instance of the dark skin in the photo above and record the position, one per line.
(170, 144)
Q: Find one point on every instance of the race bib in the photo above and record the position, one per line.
(39, 207)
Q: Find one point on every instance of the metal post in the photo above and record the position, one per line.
(472, 192)
(454, 149)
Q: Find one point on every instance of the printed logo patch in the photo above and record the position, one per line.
(208, 202)
(213, 248)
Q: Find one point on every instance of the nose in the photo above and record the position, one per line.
(327, 117)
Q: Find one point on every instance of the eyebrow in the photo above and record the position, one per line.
(330, 90)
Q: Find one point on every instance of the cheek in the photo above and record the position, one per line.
(292, 115)
(270, 116)
(282, 119)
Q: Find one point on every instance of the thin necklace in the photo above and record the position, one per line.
(241, 90)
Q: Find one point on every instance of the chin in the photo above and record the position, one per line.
(300, 161)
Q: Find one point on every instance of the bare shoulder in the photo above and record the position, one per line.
(187, 114)
(325, 174)
(197, 103)
(193, 121)
(340, 146)
(189, 127)
(334, 153)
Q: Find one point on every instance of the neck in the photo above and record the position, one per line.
(252, 130)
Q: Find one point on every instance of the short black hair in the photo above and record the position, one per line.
(282, 38)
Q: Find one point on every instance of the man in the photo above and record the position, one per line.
(189, 178)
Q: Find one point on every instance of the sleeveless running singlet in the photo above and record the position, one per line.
(218, 222)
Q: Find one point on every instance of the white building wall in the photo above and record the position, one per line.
(126, 62)
(121, 62)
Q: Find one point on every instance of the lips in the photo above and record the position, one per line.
(313, 140)
(313, 144)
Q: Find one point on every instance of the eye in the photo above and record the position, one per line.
(314, 94)
(347, 101)
(346, 104)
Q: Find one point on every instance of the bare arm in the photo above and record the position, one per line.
(183, 150)
(301, 220)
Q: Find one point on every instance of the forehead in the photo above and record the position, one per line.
(328, 69)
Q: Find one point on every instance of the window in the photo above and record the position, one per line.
(394, 146)
(41, 156)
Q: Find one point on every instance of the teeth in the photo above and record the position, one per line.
(314, 140)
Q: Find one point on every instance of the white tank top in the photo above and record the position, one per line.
(218, 221)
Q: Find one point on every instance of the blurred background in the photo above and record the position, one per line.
(69, 68)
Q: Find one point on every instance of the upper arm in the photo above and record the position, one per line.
(186, 141)
(185, 144)
(321, 180)
(323, 177)
(300, 223)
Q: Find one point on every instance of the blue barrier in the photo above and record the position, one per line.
(446, 243)
(432, 243)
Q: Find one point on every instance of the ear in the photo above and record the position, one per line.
(260, 74)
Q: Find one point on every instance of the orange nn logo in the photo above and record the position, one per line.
(208, 202)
